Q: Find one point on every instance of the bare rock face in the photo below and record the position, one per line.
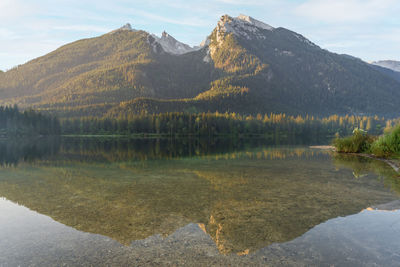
(126, 27)
(168, 43)
(173, 46)
(242, 26)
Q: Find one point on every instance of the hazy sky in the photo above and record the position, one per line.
(369, 29)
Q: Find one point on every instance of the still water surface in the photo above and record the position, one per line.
(99, 202)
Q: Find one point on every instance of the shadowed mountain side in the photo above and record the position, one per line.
(244, 204)
(287, 68)
(390, 73)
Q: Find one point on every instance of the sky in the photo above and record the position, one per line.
(368, 29)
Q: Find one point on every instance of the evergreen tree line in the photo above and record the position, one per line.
(29, 122)
(15, 123)
(214, 124)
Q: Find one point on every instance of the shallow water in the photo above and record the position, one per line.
(193, 202)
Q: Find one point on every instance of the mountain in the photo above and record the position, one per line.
(389, 64)
(94, 74)
(244, 66)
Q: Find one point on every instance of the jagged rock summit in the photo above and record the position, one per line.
(173, 46)
(243, 26)
(251, 29)
(126, 27)
(167, 42)
(255, 22)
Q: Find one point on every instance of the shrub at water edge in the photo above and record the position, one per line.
(359, 142)
(388, 144)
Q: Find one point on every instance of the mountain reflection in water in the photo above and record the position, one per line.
(245, 196)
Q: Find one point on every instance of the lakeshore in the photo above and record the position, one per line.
(394, 163)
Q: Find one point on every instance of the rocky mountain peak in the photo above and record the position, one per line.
(255, 22)
(167, 42)
(126, 27)
(242, 26)
(173, 46)
(164, 34)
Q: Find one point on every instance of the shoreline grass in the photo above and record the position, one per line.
(384, 146)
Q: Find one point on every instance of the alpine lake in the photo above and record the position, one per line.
(193, 202)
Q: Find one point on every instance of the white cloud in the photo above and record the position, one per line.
(345, 10)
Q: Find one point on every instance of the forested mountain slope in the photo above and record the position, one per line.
(244, 66)
(115, 67)
(388, 72)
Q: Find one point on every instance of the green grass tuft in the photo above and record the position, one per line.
(387, 145)
(359, 142)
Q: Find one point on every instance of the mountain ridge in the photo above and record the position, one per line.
(243, 66)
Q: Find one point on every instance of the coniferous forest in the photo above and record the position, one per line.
(222, 124)
(13, 122)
